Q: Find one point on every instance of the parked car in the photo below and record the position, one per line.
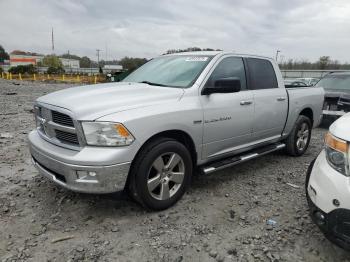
(328, 184)
(176, 114)
(337, 97)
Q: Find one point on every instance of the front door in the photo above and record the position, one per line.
(228, 117)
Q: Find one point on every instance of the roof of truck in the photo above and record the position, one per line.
(214, 53)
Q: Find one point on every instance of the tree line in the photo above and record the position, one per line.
(131, 63)
(323, 63)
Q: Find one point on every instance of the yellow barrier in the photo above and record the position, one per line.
(84, 79)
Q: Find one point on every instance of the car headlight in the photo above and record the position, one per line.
(337, 153)
(106, 134)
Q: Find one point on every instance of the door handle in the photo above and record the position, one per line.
(246, 102)
(281, 98)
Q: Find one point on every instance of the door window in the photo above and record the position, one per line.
(229, 67)
(262, 75)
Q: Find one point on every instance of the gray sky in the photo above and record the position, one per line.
(145, 28)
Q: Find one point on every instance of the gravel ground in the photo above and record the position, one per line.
(221, 218)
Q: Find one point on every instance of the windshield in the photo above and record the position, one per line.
(171, 71)
(341, 82)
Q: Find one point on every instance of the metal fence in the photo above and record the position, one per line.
(308, 73)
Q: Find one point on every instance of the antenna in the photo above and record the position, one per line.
(52, 41)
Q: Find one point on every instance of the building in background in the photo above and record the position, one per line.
(18, 57)
(70, 63)
(112, 68)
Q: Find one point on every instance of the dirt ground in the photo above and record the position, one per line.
(221, 218)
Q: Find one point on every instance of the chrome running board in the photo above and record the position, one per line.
(231, 161)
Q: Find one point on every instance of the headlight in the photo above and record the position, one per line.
(106, 134)
(337, 153)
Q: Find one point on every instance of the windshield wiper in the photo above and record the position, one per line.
(151, 83)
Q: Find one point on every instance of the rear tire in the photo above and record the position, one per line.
(299, 139)
(161, 174)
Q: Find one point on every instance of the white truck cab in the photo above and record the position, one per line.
(328, 184)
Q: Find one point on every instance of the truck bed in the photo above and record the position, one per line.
(300, 98)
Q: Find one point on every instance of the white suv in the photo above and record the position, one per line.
(328, 184)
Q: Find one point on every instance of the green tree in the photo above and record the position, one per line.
(190, 49)
(54, 64)
(52, 61)
(70, 56)
(130, 63)
(3, 54)
(23, 69)
(323, 62)
(85, 62)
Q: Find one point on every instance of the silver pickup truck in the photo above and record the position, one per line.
(176, 114)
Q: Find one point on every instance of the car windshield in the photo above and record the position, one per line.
(340, 82)
(170, 71)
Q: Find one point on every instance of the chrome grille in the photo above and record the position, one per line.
(61, 119)
(67, 137)
(56, 127)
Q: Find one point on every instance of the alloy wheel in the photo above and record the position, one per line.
(303, 136)
(166, 176)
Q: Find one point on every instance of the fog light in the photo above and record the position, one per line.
(320, 219)
(85, 174)
(92, 174)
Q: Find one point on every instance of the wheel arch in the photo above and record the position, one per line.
(176, 134)
(308, 113)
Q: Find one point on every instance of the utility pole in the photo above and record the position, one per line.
(98, 56)
(277, 52)
(106, 52)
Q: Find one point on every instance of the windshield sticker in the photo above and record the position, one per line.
(196, 59)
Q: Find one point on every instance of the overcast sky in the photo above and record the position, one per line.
(303, 29)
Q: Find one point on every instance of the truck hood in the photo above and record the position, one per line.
(95, 101)
(341, 127)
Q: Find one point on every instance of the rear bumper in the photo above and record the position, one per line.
(77, 177)
(333, 113)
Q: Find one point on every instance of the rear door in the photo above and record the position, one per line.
(228, 118)
(270, 100)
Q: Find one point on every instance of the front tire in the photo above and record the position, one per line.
(299, 139)
(161, 173)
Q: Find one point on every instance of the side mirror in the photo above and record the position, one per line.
(224, 85)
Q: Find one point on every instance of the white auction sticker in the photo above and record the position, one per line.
(196, 59)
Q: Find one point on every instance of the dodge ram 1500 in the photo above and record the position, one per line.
(176, 114)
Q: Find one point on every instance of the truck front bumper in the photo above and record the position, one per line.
(324, 185)
(72, 173)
